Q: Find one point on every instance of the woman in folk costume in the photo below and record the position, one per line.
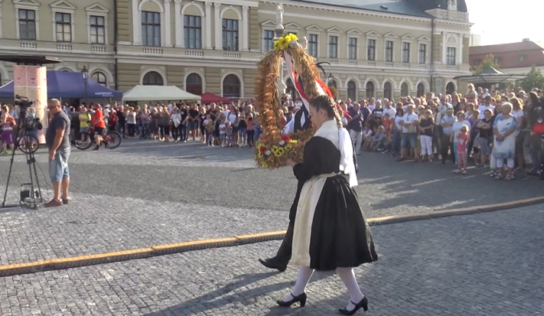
(330, 230)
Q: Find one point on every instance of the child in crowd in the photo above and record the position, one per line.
(250, 131)
(367, 137)
(209, 126)
(228, 133)
(378, 139)
(222, 133)
(462, 140)
(387, 123)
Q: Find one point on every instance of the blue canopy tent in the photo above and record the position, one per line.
(63, 84)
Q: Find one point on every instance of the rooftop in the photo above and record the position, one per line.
(504, 48)
(404, 7)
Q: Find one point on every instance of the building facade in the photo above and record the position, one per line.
(380, 50)
(513, 58)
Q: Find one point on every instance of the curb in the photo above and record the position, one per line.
(159, 250)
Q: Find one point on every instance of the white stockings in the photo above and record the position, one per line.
(348, 278)
(346, 275)
(304, 276)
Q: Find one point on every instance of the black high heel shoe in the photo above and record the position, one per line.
(301, 298)
(362, 304)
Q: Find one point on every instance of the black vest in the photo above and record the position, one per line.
(298, 126)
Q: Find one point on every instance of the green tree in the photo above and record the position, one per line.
(534, 79)
(489, 61)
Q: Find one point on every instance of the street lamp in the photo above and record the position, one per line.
(85, 75)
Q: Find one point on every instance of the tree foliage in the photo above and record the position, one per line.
(534, 79)
(489, 61)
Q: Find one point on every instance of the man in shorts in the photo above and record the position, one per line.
(57, 138)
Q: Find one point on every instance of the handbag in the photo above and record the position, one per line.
(538, 128)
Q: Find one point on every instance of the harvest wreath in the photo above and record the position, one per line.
(274, 148)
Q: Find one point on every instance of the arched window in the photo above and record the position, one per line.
(193, 84)
(370, 89)
(290, 89)
(404, 91)
(387, 90)
(352, 90)
(153, 78)
(420, 90)
(100, 78)
(450, 88)
(231, 87)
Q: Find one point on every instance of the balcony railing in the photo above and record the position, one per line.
(64, 47)
(194, 52)
(98, 48)
(15, 45)
(28, 45)
(232, 55)
(152, 50)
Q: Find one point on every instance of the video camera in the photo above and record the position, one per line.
(30, 123)
(22, 102)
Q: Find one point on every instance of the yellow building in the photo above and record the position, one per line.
(375, 48)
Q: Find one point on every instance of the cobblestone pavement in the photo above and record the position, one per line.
(149, 193)
(484, 264)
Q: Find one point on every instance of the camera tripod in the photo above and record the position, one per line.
(31, 193)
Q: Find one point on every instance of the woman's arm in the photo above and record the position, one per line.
(305, 170)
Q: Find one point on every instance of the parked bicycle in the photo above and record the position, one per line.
(28, 144)
(111, 139)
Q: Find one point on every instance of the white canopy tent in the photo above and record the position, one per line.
(158, 93)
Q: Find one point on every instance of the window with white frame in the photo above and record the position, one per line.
(422, 54)
(352, 48)
(27, 24)
(98, 29)
(192, 31)
(406, 52)
(312, 44)
(371, 50)
(63, 27)
(268, 40)
(389, 51)
(451, 56)
(151, 28)
(333, 46)
(230, 34)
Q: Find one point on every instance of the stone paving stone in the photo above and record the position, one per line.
(484, 264)
(148, 193)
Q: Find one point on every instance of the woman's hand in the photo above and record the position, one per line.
(290, 163)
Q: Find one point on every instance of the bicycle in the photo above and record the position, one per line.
(28, 144)
(111, 139)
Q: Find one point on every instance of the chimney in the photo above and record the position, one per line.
(526, 40)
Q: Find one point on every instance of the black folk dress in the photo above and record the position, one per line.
(340, 236)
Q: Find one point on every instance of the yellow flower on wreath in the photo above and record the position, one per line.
(283, 42)
(278, 151)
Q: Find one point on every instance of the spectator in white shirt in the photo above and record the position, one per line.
(486, 106)
(408, 139)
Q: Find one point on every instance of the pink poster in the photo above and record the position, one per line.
(19, 76)
(31, 82)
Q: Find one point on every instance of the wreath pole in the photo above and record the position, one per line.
(280, 32)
